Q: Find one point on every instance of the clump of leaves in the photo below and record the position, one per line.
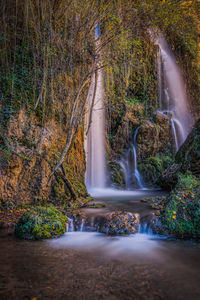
(41, 223)
(182, 214)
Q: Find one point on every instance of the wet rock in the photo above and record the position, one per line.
(79, 220)
(161, 118)
(152, 168)
(156, 202)
(189, 153)
(119, 223)
(153, 225)
(154, 137)
(169, 177)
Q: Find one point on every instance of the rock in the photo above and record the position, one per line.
(154, 137)
(189, 153)
(152, 224)
(161, 118)
(169, 177)
(79, 220)
(119, 223)
(25, 171)
(41, 223)
(152, 168)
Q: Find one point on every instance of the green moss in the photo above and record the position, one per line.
(41, 223)
(96, 205)
(182, 214)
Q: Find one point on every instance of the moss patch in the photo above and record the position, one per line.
(41, 223)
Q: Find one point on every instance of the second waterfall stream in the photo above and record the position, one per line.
(172, 92)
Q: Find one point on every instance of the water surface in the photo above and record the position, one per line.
(90, 265)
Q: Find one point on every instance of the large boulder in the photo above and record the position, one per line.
(119, 223)
(152, 168)
(187, 159)
(154, 137)
(169, 177)
(189, 153)
(41, 223)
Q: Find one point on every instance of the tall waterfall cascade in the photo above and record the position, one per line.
(133, 178)
(172, 93)
(95, 176)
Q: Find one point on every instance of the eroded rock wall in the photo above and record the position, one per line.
(30, 154)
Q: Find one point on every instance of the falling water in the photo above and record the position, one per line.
(172, 93)
(94, 130)
(128, 164)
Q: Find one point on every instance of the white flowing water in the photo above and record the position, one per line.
(172, 93)
(95, 176)
(128, 164)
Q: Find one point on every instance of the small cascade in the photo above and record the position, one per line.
(174, 132)
(70, 225)
(95, 176)
(172, 94)
(82, 224)
(145, 228)
(128, 164)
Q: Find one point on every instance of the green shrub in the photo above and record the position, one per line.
(182, 214)
(41, 223)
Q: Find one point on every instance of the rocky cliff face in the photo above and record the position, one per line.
(154, 142)
(29, 153)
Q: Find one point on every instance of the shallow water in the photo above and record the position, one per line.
(90, 265)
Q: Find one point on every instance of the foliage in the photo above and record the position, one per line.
(182, 214)
(41, 223)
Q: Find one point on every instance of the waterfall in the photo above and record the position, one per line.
(95, 176)
(128, 164)
(172, 93)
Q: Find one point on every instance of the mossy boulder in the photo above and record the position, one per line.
(152, 168)
(154, 137)
(119, 223)
(116, 175)
(189, 153)
(182, 213)
(169, 177)
(186, 159)
(41, 223)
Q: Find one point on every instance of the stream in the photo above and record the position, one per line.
(89, 265)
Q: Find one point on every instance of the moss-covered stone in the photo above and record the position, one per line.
(119, 223)
(152, 168)
(182, 213)
(116, 175)
(186, 159)
(41, 223)
(189, 153)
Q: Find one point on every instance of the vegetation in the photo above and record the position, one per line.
(182, 213)
(41, 223)
(48, 57)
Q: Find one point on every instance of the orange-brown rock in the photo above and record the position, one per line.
(24, 172)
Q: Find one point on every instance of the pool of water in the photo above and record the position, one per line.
(90, 265)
